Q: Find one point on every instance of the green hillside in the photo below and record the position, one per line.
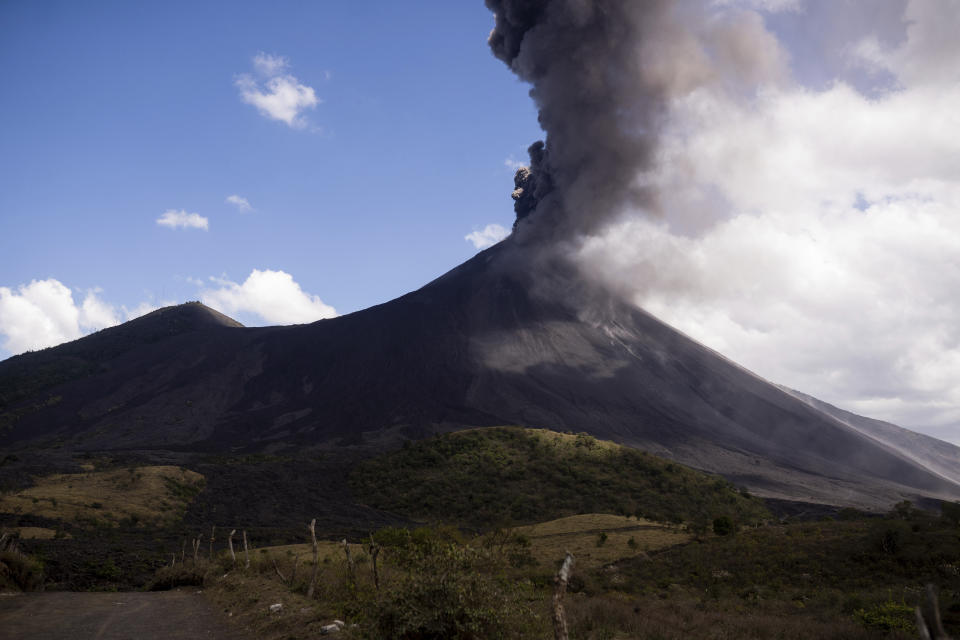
(509, 475)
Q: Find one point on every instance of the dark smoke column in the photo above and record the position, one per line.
(599, 106)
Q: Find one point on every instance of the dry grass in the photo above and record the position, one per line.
(549, 541)
(138, 494)
(580, 534)
(597, 446)
(37, 533)
(327, 551)
(245, 597)
(683, 616)
(548, 437)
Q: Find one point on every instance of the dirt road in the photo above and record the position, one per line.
(169, 615)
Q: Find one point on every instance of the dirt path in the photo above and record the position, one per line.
(180, 615)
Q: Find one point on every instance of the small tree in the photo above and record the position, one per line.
(723, 526)
(950, 512)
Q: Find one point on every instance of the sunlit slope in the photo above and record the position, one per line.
(505, 476)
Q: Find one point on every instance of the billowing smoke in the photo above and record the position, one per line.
(603, 72)
(807, 199)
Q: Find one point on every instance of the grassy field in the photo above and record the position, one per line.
(549, 541)
(327, 551)
(869, 572)
(152, 494)
(483, 478)
(35, 533)
(849, 580)
(598, 539)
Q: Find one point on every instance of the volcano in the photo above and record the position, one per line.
(482, 345)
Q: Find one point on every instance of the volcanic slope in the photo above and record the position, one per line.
(482, 345)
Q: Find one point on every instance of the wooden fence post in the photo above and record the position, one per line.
(277, 569)
(316, 558)
(374, 550)
(246, 550)
(213, 532)
(346, 550)
(560, 588)
(233, 556)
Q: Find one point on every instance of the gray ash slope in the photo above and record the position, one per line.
(476, 347)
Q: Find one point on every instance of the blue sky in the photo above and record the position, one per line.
(114, 113)
(810, 223)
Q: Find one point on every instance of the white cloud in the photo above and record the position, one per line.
(813, 236)
(269, 65)
(488, 236)
(239, 202)
(37, 315)
(43, 314)
(280, 96)
(931, 52)
(97, 314)
(143, 309)
(174, 219)
(274, 296)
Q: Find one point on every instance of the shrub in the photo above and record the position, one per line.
(446, 597)
(950, 512)
(889, 539)
(888, 616)
(181, 575)
(20, 572)
(723, 526)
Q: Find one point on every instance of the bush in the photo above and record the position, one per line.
(888, 616)
(179, 576)
(451, 592)
(20, 572)
(950, 512)
(723, 526)
(888, 538)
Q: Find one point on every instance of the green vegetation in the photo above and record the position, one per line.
(888, 616)
(153, 494)
(431, 583)
(723, 526)
(796, 581)
(487, 477)
(20, 572)
(870, 571)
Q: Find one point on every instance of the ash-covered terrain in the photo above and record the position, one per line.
(482, 345)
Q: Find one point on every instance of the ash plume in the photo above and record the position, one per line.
(603, 73)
